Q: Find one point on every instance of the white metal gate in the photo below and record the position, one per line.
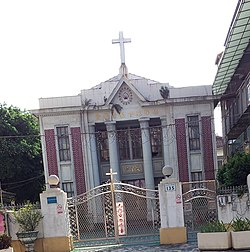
(199, 203)
(115, 212)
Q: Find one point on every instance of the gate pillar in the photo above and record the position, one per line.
(172, 229)
(55, 220)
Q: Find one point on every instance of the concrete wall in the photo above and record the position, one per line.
(231, 206)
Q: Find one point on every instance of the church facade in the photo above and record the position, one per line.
(132, 125)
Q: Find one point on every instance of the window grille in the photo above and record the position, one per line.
(68, 188)
(103, 145)
(196, 176)
(129, 141)
(156, 141)
(193, 132)
(63, 143)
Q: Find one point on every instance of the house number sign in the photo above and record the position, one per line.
(170, 187)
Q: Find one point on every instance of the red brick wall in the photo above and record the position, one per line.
(207, 147)
(51, 151)
(182, 149)
(78, 160)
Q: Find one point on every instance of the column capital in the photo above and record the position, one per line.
(144, 122)
(110, 125)
(91, 124)
(143, 119)
(92, 127)
(163, 121)
(110, 122)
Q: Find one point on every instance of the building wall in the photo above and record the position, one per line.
(79, 170)
(208, 147)
(51, 152)
(82, 167)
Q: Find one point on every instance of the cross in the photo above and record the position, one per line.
(111, 173)
(121, 41)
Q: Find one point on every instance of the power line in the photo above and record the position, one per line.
(22, 181)
(97, 132)
(18, 186)
(21, 136)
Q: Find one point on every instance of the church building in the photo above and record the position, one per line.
(132, 125)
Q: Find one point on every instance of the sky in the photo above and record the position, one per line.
(51, 48)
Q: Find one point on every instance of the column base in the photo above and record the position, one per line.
(173, 235)
(58, 244)
(53, 244)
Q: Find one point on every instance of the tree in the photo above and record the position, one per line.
(21, 169)
(235, 171)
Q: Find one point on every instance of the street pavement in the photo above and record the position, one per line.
(145, 248)
(191, 247)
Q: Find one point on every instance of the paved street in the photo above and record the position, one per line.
(192, 247)
(148, 248)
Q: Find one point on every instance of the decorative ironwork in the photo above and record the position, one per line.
(199, 193)
(109, 220)
(73, 222)
(199, 205)
(92, 214)
(239, 190)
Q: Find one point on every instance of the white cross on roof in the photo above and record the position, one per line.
(121, 41)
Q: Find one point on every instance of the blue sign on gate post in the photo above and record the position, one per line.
(52, 200)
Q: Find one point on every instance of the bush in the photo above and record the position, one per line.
(214, 226)
(28, 217)
(240, 224)
(235, 171)
(5, 241)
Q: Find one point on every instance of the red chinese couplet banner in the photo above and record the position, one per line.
(2, 229)
(121, 218)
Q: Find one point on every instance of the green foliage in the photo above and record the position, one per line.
(20, 153)
(5, 241)
(235, 171)
(240, 224)
(214, 226)
(28, 217)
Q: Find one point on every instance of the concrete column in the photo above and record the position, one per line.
(95, 206)
(113, 148)
(165, 140)
(93, 150)
(248, 182)
(172, 229)
(147, 153)
(55, 211)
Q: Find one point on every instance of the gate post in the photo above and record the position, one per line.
(172, 229)
(54, 209)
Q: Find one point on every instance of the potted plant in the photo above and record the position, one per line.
(214, 236)
(28, 218)
(5, 243)
(240, 233)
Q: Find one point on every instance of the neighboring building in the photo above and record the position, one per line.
(130, 124)
(232, 82)
(219, 148)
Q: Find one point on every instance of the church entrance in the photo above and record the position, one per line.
(115, 213)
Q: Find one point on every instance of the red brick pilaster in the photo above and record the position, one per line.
(51, 152)
(207, 147)
(182, 149)
(78, 160)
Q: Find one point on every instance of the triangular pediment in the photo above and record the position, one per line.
(125, 93)
(107, 92)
